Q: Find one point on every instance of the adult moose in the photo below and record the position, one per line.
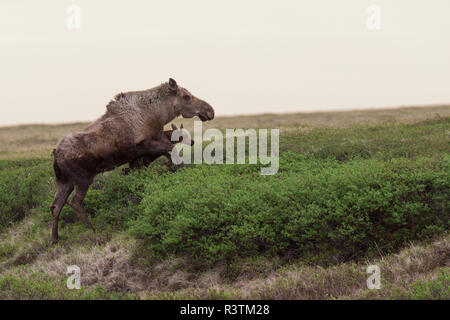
(131, 127)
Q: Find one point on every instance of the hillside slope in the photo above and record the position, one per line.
(353, 189)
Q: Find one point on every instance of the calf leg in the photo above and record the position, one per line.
(170, 165)
(153, 147)
(62, 193)
(133, 164)
(149, 158)
(77, 202)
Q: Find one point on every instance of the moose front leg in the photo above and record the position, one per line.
(153, 147)
(170, 165)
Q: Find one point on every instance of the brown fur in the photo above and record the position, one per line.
(149, 158)
(132, 127)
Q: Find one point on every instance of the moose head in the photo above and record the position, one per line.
(189, 106)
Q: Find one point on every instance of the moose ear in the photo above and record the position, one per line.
(173, 85)
(174, 127)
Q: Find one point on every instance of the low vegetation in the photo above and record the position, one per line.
(345, 196)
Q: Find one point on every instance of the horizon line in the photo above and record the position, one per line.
(322, 110)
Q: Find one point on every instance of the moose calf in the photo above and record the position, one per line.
(152, 156)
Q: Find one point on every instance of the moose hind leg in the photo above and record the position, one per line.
(77, 203)
(62, 193)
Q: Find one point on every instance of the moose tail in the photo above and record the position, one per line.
(58, 172)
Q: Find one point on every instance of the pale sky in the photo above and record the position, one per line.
(242, 56)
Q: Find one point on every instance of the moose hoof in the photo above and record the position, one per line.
(173, 168)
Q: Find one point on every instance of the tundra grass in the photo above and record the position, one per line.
(342, 196)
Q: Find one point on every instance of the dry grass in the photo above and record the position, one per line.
(37, 141)
(329, 119)
(33, 141)
(102, 263)
(113, 266)
(415, 264)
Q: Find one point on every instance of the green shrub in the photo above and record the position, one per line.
(23, 186)
(348, 210)
(435, 288)
(438, 288)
